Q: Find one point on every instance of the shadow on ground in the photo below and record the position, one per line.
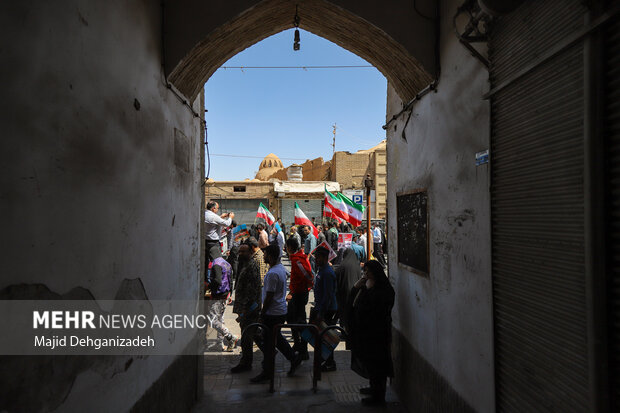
(337, 391)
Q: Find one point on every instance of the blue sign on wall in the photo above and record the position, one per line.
(358, 199)
(482, 157)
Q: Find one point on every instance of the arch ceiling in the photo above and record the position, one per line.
(200, 36)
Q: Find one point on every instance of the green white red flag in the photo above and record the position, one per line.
(327, 212)
(340, 206)
(264, 213)
(336, 205)
(355, 211)
(302, 219)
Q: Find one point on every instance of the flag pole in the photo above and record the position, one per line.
(368, 185)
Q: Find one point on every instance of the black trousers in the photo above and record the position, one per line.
(281, 344)
(247, 340)
(377, 386)
(297, 315)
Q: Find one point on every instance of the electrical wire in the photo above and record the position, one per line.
(254, 157)
(364, 141)
(208, 156)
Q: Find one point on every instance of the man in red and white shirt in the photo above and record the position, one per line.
(299, 286)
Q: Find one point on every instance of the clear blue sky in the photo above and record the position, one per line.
(290, 112)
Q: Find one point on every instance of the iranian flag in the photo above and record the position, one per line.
(264, 213)
(355, 211)
(327, 212)
(337, 206)
(302, 219)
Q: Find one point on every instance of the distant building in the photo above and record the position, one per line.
(350, 169)
(243, 198)
(278, 188)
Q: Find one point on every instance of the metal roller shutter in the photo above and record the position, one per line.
(537, 211)
(244, 209)
(310, 207)
(613, 150)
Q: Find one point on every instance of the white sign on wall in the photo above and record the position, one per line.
(357, 195)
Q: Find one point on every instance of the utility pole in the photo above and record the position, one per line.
(334, 143)
(368, 183)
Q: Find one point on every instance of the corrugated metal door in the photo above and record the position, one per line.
(613, 150)
(244, 209)
(313, 208)
(537, 141)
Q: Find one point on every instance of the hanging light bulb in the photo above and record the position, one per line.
(296, 37)
(296, 40)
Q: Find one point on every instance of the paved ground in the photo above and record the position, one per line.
(337, 391)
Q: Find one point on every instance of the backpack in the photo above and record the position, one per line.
(226, 274)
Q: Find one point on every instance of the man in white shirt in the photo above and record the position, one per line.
(377, 239)
(362, 239)
(214, 224)
(280, 240)
(276, 236)
(376, 234)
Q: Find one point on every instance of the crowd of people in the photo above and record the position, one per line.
(349, 290)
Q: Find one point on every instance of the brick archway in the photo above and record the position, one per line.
(197, 44)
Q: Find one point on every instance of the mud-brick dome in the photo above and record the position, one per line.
(268, 166)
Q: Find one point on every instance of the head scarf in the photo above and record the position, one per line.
(347, 273)
(377, 270)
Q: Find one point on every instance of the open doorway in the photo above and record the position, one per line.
(283, 125)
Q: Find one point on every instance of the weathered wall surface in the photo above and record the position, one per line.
(226, 189)
(443, 323)
(315, 170)
(350, 169)
(381, 183)
(100, 181)
(312, 170)
(281, 175)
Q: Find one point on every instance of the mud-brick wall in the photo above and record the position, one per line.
(350, 169)
(226, 189)
(381, 183)
(100, 188)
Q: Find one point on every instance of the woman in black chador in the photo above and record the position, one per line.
(370, 330)
(347, 274)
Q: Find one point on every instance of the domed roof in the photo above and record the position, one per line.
(271, 161)
(268, 166)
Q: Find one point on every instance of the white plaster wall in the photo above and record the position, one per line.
(89, 188)
(447, 317)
